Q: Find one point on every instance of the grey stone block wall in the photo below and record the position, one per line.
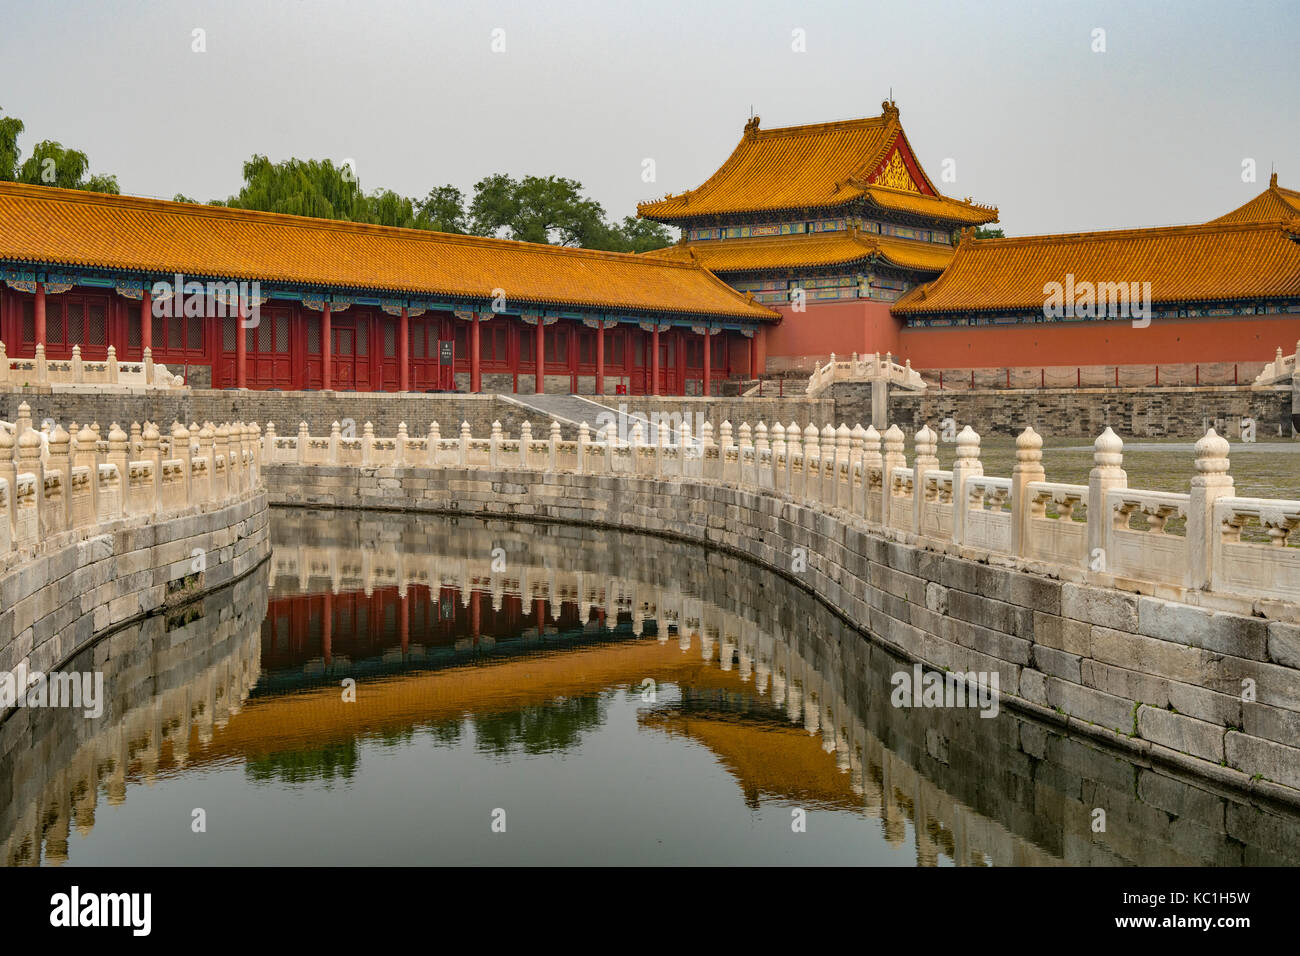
(1079, 413)
(76, 587)
(1164, 680)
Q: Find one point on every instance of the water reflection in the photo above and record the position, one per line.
(624, 698)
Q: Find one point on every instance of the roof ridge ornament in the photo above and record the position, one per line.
(751, 125)
(1272, 180)
(889, 109)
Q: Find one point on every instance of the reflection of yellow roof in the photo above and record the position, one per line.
(318, 716)
(776, 760)
(1274, 203)
(1182, 263)
(42, 224)
(825, 249)
(814, 167)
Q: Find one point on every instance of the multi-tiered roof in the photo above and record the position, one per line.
(827, 197)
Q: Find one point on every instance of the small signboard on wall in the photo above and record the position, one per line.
(446, 352)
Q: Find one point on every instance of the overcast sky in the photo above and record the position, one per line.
(1061, 138)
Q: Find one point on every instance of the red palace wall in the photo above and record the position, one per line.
(865, 327)
(1168, 342)
(285, 349)
(803, 338)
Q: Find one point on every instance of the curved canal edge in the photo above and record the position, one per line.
(1162, 681)
(81, 587)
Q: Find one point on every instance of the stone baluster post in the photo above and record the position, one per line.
(86, 455)
(812, 459)
(966, 465)
(525, 444)
(686, 456)
(1211, 482)
(152, 453)
(1107, 473)
(494, 446)
(78, 366)
(368, 444)
(207, 436)
(29, 463)
(335, 440)
(8, 472)
(399, 453)
(927, 460)
(464, 444)
(181, 452)
(435, 437)
(42, 366)
(134, 444)
(221, 449)
(871, 457)
(59, 510)
(112, 365)
(117, 457)
(4, 363)
(268, 448)
(304, 439)
(584, 439)
(892, 458)
(778, 450)
(1029, 467)
(760, 438)
(554, 450)
(824, 490)
(793, 447)
(842, 496)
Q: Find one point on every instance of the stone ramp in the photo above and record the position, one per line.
(572, 410)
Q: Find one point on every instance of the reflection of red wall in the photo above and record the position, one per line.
(826, 327)
(1163, 342)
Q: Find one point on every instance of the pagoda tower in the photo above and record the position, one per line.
(828, 223)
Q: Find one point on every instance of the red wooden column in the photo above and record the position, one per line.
(540, 387)
(654, 360)
(404, 622)
(326, 345)
(146, 321)
(404, 352)
(40, 313)
(475, 355)
(708, 362)
(600, 356)
(241, 345)
(753, 354)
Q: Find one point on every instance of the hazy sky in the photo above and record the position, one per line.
(1152, 131)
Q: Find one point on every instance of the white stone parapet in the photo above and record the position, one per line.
(77, 375)
(1204, 540)
(56, 480)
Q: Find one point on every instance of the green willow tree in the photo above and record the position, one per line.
(550, 209)
(50, 164)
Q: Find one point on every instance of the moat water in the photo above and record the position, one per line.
(421, 690)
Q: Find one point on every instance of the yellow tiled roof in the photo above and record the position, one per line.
(1183, 264)
(809, 167)
(1273, 204)
(43, 224)
(823, 249)
(937, 207)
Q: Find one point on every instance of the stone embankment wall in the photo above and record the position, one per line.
(1211, 692)
(81, 583)
(1079, 413)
